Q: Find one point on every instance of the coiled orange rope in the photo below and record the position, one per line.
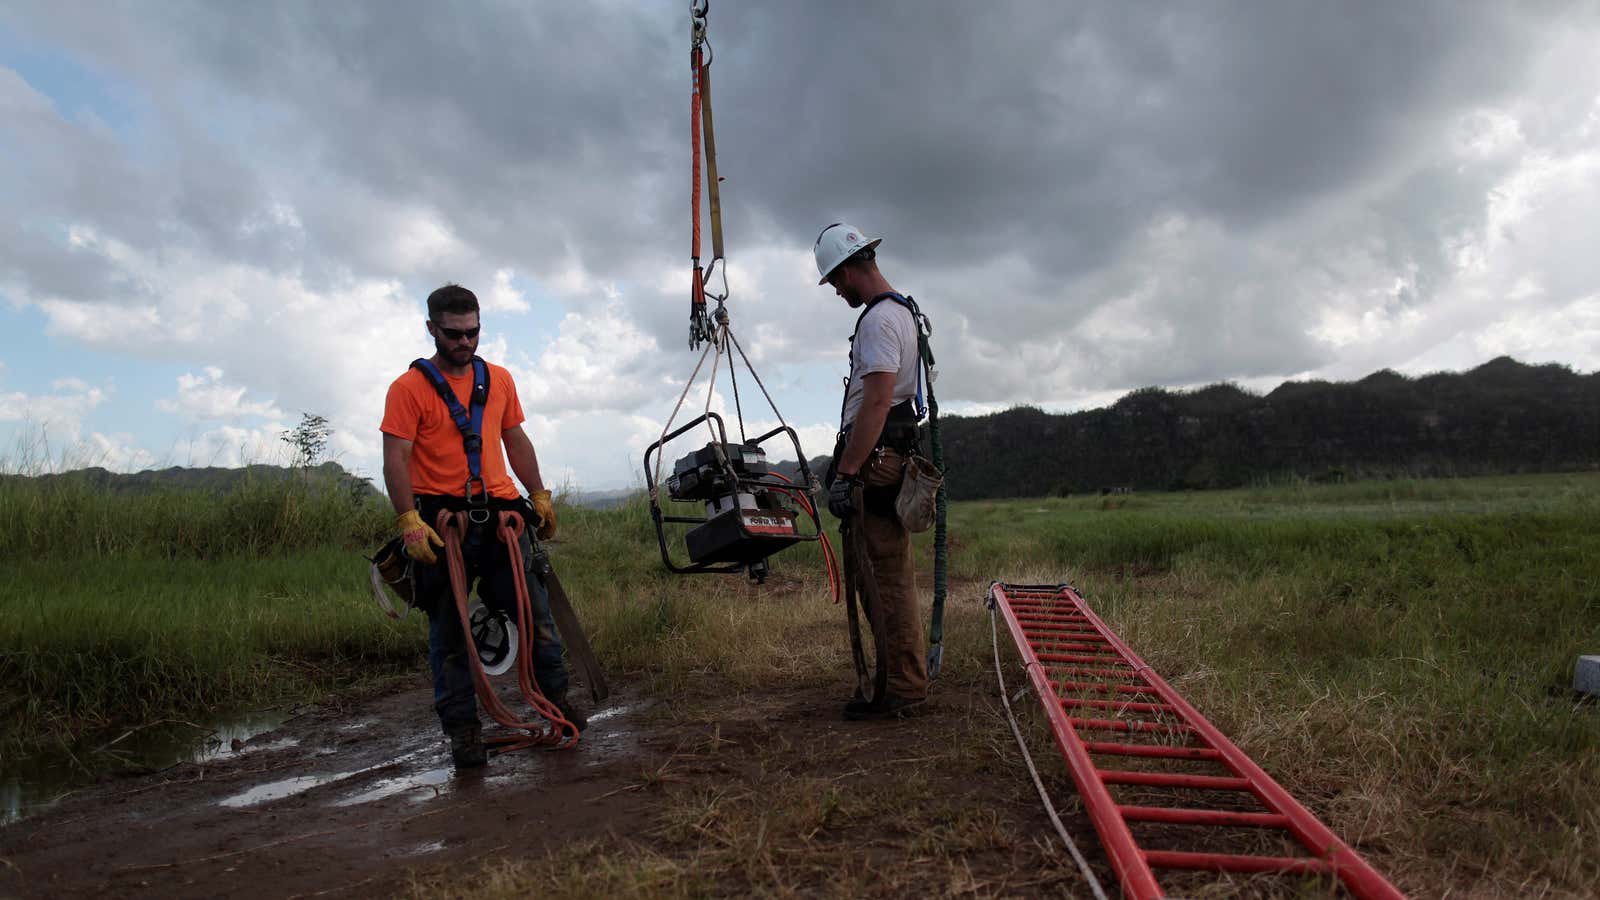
(551, 728)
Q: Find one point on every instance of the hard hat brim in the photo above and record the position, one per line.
(869, 245)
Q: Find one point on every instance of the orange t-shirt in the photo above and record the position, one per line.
(414, 411)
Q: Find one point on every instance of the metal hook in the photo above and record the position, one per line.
(697, 20)
(712, 267)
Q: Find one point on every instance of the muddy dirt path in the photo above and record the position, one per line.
(362, 801)
(335, 799)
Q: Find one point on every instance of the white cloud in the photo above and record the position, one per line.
(230, 446)
(1558, 336)
(207, 396)
(423, 239)
(117, 452)
(16, 96)
(65, 408)
(47, 429)
(598, 362)
(502, 296)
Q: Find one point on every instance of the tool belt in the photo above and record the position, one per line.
(900, 431)
(479, 510)
(419, 585)
(900, 434)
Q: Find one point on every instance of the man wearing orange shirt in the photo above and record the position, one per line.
(431, 463)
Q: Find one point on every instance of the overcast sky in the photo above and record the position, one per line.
(219, 216)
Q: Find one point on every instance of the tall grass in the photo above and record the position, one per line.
(1406, 649)
(1399, 654)
(67, 518)
(131, 607)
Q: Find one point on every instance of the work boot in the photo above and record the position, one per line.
(571, 713)
(857, 705)
(466, 746)
(892, 707)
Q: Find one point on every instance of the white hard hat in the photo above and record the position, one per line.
(837, 243)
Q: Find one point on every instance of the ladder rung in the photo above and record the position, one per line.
(1126, 725)
(1171, 779)
(1116, 704)
(1085, 633)
(1181, 816)
(1042, 642)
(1075, 657)
(1059, 646)
(1152, 750)
(1228, 862)
(1102, 688)
(1104, 673)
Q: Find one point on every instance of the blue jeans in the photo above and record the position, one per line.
(454, 697)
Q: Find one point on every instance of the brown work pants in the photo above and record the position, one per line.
(889, 548)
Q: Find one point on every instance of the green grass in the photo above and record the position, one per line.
(1398, 654)
(71, 520)
(1406, 649)
(97, 642)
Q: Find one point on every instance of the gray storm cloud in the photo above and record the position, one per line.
(1086, 198)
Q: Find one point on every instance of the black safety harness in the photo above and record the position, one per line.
(900, 428)
(900, 433)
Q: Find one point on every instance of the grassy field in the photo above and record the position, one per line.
(1398, 654)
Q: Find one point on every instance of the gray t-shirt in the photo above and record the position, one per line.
(886, 341)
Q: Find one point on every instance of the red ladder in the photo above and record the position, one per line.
(1068, 651)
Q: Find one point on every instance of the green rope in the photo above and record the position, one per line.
(940, 553)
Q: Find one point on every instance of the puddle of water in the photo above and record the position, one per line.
(288, 787)
(33, 785)
(604, 714)
(20, 799)
(420, 849)
(268, 746)
(277, 790)
(425, 783)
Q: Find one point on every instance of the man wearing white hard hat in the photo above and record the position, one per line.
(883, 403)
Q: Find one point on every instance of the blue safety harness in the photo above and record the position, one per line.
(468, 419)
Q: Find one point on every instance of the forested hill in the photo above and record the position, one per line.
(212, 479)
(1501, 417)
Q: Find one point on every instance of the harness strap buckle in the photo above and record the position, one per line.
(477, 504)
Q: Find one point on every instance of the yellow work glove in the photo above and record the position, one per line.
(546, 527)
(418, 537)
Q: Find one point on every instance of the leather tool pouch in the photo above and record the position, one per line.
(918, 493)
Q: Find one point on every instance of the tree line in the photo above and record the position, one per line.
(1501, 417)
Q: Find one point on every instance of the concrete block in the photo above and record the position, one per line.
(1587, 678)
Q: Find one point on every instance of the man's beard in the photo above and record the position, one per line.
(452, 353)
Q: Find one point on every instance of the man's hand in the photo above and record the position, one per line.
(419, 538)
(546, 512)
(840, 502)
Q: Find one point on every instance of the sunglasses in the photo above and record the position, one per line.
(456, 334)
